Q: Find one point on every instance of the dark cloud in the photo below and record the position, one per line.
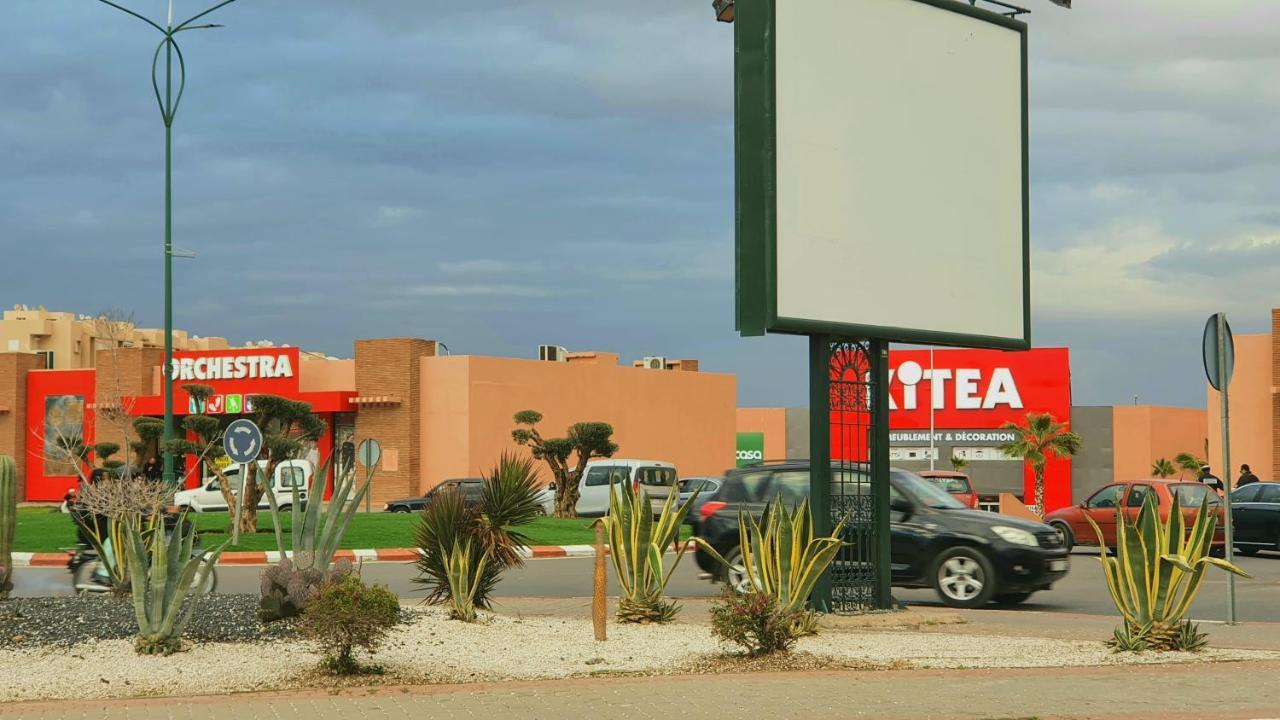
(508, 173)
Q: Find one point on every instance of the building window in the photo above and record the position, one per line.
(980, 453)
(913, 453)
(48, 358)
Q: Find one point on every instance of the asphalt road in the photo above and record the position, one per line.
(1082, 591)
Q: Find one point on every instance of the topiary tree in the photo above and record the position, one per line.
(288, 430)
(585, 440)
(207, 447)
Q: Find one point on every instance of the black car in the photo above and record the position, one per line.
(969, 557)
(471, 488)
(1255, 517)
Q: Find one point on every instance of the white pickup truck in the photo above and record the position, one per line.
(288, 475)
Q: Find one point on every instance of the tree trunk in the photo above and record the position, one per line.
(251, 493)
(566, 498)
(1039, 470)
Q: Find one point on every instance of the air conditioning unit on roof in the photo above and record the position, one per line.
(656, 362)
(552, 353)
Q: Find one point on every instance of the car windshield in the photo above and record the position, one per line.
(925, 491)
(950, 484)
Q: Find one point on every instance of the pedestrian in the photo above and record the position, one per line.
(151, 469)
(1246, 476)
(1208, 478)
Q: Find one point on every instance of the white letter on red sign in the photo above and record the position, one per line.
(967, 389)
(1002, 391)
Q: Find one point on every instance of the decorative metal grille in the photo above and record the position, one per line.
(854, 573)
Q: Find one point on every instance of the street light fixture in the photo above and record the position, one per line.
(168, 102)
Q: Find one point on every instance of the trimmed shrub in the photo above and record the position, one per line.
(347, 614)
(754, 621)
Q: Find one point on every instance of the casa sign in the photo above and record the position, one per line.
(233, 367)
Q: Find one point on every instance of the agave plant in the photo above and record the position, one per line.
(637, 548)
(782, 559)
(1156, 573)
(316, 532)
(465, 568)
(164, 572)
(508, 500)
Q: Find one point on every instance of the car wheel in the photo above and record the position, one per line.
(1218, 551)
(284, 508)
(1248, 550)
(1013, 598)
(963, 578)
(736, 572)
(400, 509)
(1064, 531)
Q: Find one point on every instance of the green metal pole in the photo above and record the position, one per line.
(820, 453)
(880, 471)
(167, 450)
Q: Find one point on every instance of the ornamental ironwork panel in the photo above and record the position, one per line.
(854, 574)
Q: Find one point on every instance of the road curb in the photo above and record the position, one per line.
(270, 557)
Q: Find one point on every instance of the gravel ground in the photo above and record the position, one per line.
(65, 621)
(428, 647)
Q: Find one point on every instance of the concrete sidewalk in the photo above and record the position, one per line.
(1169, 693)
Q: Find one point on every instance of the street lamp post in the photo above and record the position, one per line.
(168, 102)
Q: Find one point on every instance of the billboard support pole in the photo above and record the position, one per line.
(820, 453)
(880, 470)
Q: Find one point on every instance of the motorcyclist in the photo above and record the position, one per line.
(100, 526)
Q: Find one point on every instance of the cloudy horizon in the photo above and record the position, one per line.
(513, 173)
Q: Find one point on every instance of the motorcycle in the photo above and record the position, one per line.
(89, 575)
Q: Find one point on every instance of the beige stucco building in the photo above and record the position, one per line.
(68, 341)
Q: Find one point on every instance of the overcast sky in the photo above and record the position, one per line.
(507, 173)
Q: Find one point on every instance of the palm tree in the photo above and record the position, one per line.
(1040, 439)
(958, 463)
(1162, 468)
(1187, 462)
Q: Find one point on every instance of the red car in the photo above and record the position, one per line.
(1101, 506)
(956, 483)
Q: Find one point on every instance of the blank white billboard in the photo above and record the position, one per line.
(900, 171)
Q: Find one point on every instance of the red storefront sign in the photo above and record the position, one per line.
(965, 391)
(61, 403)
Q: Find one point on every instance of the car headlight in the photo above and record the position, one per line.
(1015, 535)
(386, 507)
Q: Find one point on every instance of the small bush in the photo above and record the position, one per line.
(754, 621)
(286, 588)
(347, 614)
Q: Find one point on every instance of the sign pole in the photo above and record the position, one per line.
(242, 441)
(1224, 380)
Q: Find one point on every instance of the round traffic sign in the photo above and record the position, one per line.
(242, 441)
(1219, 377)
(369, 452)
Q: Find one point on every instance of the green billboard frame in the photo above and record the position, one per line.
(755, 147)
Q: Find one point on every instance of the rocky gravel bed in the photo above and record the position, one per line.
(65, 621)
(429, 648)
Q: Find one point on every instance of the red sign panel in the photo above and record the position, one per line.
(963, 391)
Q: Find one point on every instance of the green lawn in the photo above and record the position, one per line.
(40, 530)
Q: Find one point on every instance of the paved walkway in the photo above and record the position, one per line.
(1231, 691)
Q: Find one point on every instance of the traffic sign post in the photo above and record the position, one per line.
(369, 453)
(242, 441)
(1219, 362)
